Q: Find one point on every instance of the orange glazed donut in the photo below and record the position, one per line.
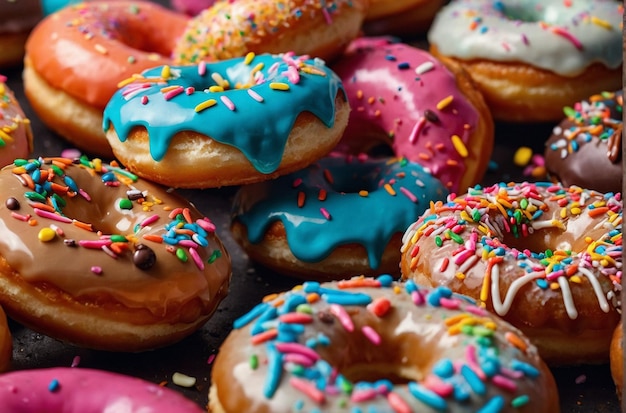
(16, 135)
(400, 17)
(530, 59)
(545, 257)
(228, 29)
(6, 343)
(91, 255)
(76, 57)
(369, 344)
(617, 360)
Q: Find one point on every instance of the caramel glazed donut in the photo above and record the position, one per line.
(373, 345)
(546, 258)
(91, 255)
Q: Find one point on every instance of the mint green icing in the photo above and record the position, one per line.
(258, 129)
(369, 220)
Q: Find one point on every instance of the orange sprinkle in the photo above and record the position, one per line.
(389, 189)
(45, 207)
(301, 198)
(32, 222)
(515, 340)
(29, 181)
(153, 238)
(83, 225)
(328, 176)
(598, 211)
(358, 282)
(187, 215)
(264, 336)
(312, 298)
(321, 195)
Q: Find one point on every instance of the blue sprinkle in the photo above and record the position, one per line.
(108, 177)
(351, 299)
(475, 383)
(444, 368)
(323, 340)
(410, 286)
(291, 303)
(434, 298)
(298, 405)
(274, 370)
(70, 183)
(525, 368)
(574, 146)
(54, 386)
(426, 396)
(385, 280)
(495, 405)
(310, 287)
(444, 291)
(542, 283)
(251, 315)
(390, 57)
(291, 328)
(404, 66)
(267, 314)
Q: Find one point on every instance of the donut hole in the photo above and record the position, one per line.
(526, 14)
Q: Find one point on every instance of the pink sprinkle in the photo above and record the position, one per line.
(326, 214)
(206, 224)
(580, 379)
(327, 17)
(476, 310)
(297, 348)
(255, 95)
(408, 194)
(210, 359)
(513, 374)
(417, 128)
(173, 93)
(397, 403)
(343, 317)
(417, 298)
(554, 275)
(363, 395)
(190, 90)
(298, 359)
(70, 153)
(463, 256)
(567, 35)
(308, 389)
(525, 39)
(292, 74)
(95, 244)
(75, 361)
(296, 183)
(51, 215)
(202, 68)
(504, 383)
(296, 318)
(187, 243)
(150, 220)
(84, 194)
(438, 386)
(472, 361)
(451, 304)
(58, 230)
(196, 258)
(226, 101)
(96, 270)
(371, 335)
(21, 217)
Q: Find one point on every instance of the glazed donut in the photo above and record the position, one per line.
(589, 139)
(6, 343)
(340, 217)
(406, 18)
(530, 59)
(617, 359)
(76, 57)
(545, 257)
(90, 254)
(232, 122)
(16, 135)
(229, 29)
(368, 344)
(404, 98)
(69, 389)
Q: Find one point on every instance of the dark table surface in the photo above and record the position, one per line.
(582, 388)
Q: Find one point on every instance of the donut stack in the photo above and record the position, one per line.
(345, 149)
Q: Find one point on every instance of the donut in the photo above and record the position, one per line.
(369, 344)
(93, 256)
(66, 389)
(6, 343)
(16, 135)
(18, 18)
(229, 29)
(406, 18)
(233, 122)
(339, 217)
(545, 257)
(76, 57)
(531, 59)
(404, 98)
(191, 7)
(617, 359)
(589, 139)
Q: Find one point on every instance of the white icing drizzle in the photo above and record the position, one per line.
(503, 307)
(597, 288)
(568, 300)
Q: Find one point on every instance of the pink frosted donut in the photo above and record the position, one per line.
(74, 390)
(16, 136)
(428, 113)
(191, 7)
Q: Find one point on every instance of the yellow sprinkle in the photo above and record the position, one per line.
(216, 89)
(5, 136)
(443, 103)
(101, 49)
(522, 156)
(46, 234)
(249, 58)
(166, 72)
(257, 68)
(454, 330)
(312, 71)
(554, 286)
(602, 23)
(575, 279)
(490, 325)
(169, 88)
(397, 289)
(279, 86)
(363, 193)
(205, 105)
(575, 211)
(97, 164)
(563, 213)
(459, 146)
(389, 189)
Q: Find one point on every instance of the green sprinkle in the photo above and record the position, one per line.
(520, 401)
(455, 237)
(20, 162)
(467, 330)
(60, 200)
(57, 171)
(476, 215)
(254, 362)
(438, 241)
(523, 203)
(126, 204)
(34, 196)
(215, 255)
(181, 255)
(483, 331)
(2, 142)
(118, 238)
(549, 253)
(304, 308)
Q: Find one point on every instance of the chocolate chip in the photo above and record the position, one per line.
(13, 204)
(69, 242)
(326, 317)
(431, 116)
(144, 257)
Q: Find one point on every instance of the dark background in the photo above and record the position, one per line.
(582, 388)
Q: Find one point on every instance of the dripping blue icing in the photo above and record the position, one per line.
(258, 129)
(369, 220)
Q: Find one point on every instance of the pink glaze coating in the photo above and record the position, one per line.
(78, 390)
(16, 136)
(398, 95)
(191, 7)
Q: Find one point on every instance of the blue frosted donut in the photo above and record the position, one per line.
(341, 216)
(231, 122)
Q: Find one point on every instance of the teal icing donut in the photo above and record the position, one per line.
(231, 122)
(341, 216)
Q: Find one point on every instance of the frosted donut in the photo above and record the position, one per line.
(90, 254)
(232, 122)
(406, 99)
(76, 57)
(368, 345)
(400, 17)
(341, 216)
(191, 7)
(86, 390)
(546, 258)
(532, 58)
(229, 29)
(16, 135)
(589, 139)
(6, 343)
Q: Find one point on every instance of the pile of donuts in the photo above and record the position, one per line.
(358, 135)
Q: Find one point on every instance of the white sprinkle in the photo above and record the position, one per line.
(183, 380)
(424, 67)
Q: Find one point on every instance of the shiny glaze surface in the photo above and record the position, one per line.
(539, 255)
(94, 261)
(85, 50)
(244, 108)
(585, 149)
(368, 344)
(562, 37)
(396, 191)
(78, 390)
(393, 103)
(16, 136)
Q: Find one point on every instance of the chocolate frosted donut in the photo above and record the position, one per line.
(585, 148)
